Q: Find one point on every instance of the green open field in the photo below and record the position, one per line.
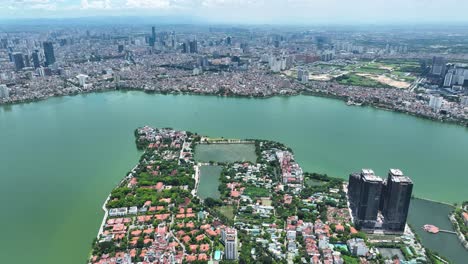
(356, 80)
(314, 182)
(227, 211)
(381, 73)
(253, 191)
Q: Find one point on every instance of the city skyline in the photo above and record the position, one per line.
(244, 11)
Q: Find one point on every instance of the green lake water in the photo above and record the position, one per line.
(425, 212)
(60, 158)
(225, 152)
(209, 181)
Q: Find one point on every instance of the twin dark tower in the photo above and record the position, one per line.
(369, 194)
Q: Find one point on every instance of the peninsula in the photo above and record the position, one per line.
(195, 199)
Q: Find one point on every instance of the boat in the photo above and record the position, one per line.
(431, 229)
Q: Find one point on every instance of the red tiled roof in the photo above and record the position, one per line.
(202, 257)
(136, 233)
(204, 247)
(193, 248)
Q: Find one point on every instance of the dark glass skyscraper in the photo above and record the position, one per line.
(396, 200)
(35, 58)
(193, 46)
(49, 53)
(369, 194)
(364, 191)
(152, 39)
(19, 60)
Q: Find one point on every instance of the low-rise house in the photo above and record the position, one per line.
(118, 211)
(133, 210)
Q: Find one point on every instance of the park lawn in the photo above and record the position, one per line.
(253, 191)
(227, 211)
(371, 68)
(350, 260)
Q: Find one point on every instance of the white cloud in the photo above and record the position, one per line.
(249, 11)
(96, 4)
(152, 4)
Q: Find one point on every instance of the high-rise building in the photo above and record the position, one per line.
(229, 238)
(35, 58)
(369, 194)
(193, 46)
(120, 48)
(3, 43)
(185, 47)
(49, 53)
(448, 79)
(464, 100)
(19, 60)
(439, 66)
(27, 61)
(4, 93)
(152, 39)
(369, 200)
(364, 195)
(82, 79)
(435, 102)
(396, 200)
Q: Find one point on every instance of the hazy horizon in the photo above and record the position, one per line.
(246, 11)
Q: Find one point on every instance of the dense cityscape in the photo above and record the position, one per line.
(405, 72)
(234, 131)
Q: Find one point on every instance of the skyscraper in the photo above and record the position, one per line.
(27, 61)
(229, 238)
(49, 53)
(364, 191)
(369, 194)
(396, 200)
(185, 47)
(439, 66)
(152, 39)
(35, 58)
(19, 60)
(193, 46)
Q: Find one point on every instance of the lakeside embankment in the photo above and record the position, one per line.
(309, 92)
(385, 107)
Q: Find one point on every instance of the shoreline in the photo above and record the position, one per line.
(456, 227)
(304, 92)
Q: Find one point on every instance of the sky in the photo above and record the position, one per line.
(249, 11)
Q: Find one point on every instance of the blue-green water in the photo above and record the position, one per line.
(61, 157)
(225, 152)
(209, 181)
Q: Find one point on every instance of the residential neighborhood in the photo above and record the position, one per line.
(267, 210)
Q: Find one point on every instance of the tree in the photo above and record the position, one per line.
(210, 202)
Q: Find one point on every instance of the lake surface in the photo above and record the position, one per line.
(425, 212)
(61, 157)
(225, 152)
(209, 181)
